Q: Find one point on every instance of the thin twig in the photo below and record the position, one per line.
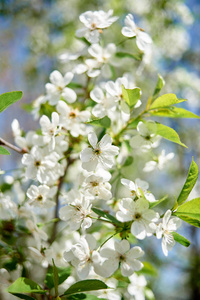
(9, 145)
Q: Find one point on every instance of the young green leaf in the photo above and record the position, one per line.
(9, 98)
(131, 96)
(63, 274)
(165, 101)
(181, 239)
(173, 112)
(82, 296)
(152, 204)
(86, 285)
(25, 285)
(106, 215)
(23, 296)
(169, 134)
(190, 212)
(55, 278)
(148, 269)
(159, 85)
(103, 122)
(136, 56)
(189, 183)
(4, 151)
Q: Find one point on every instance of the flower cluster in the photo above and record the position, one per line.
(74, 177)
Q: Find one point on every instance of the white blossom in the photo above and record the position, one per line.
(138, 211)
(38, 196)
(137, 286)
(130, 30)
(159, 163)
(145, 137)
(138, 189)
(165, 230)
(128, 258)
(77, 213)
(82, 256)
(72, 119)
(97, 187)
(50, 129)
(94, 23)
(57, 88)
(101, 152)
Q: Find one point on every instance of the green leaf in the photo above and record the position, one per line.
(190, 212)
(131, 96)
(86, 285)
(128, 161)
(55, 278)
(165, 101)
(174, 112)
(106, 215)
(148, 269)
(103, 122)
(189, 183)
(63, 274)
(159, 85)
(4, 151)
(22, 296)
(82, 296)
(169, 134)
(9, 98)
(149, 294)
(136, 56)
(152, 204)
(25, 285)
(181, 239)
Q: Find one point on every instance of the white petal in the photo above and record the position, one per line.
(57, 79)
(68, 77)
(69, 95)
(92, 138)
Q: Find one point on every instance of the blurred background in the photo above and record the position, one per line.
(33, 35)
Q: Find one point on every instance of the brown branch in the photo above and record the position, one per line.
(7, 144)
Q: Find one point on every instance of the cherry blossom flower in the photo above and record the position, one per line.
(137, 286)
(42, 165)
(77, 213)
(165, 230)
(94, 23)
(131, 30)
(39, 195)
(145, 137)
(73, 119)
(159, 163)
(97, 187)
(101, 152)
(138, 189)
(50, 129)
(128, 258)
(105, 103)
(138, 211)
(8, 208)
(57, 88)
(82, 256)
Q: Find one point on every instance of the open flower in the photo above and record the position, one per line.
(77, 213)
(101, 152)
(143, 218)
(131, 30)
(57, 88)
(128, 258)
(94, 22)
(138, 189)
(38, 196)
(165, 230)
(50, 129)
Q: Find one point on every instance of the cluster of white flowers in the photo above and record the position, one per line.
(68, 145)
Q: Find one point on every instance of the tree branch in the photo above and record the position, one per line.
(7, 144)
